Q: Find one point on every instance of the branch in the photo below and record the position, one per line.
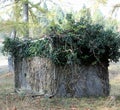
(115, 7)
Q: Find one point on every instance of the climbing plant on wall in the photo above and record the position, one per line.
(69, 41)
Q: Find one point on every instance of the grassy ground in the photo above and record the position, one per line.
(114, 70)
(11, 101)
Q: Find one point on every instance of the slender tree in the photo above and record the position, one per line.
(26, 17)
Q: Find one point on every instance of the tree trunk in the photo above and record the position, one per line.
(13, 36)
(42, 76)
(26, 18)
(10, 57)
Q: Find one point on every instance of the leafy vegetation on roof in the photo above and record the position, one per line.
(68, 41)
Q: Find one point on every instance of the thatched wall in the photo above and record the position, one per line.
(42, 76)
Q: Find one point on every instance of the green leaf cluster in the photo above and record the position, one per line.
(26, 48)
(83, 42)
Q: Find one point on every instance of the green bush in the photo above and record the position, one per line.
(26, 48)
(83, 42)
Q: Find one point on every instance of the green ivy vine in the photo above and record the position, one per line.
(83, 42)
